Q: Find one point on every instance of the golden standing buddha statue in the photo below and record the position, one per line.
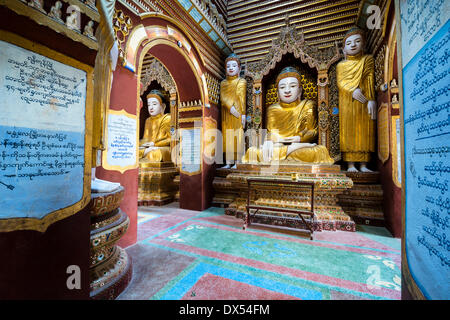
(233, 91)
(292, 126)
(357, 105)
(155, 144)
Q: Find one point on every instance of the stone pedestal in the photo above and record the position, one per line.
(110, 267)
(156, 183)
(329, 182)
(364, 201)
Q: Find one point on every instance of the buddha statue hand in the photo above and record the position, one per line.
(372, 109)
(267, 151)
(148, 144)
(358, 95)
(292, 139)
(234, 112)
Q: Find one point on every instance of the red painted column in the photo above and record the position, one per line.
(124, 95)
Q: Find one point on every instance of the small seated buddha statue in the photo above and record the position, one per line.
(89, 30)
(291, 125)
(37, 4)
(155, 144)
(55, 11)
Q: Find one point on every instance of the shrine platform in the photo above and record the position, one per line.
(329, 182)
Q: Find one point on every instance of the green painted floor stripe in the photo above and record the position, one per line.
(296, 237)
(324, 288)
(340, 264)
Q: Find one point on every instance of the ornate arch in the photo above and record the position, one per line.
(157, 72)
(291, 41)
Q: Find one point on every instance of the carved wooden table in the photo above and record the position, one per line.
(300, 212)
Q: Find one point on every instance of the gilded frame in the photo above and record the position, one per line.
(200, 170)
(383, 133)
(395, 155)
(41, 225)
(105, 163)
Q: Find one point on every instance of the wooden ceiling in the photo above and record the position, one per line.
(253, 24)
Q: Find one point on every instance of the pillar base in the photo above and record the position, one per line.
(110, 278)
(110, 268)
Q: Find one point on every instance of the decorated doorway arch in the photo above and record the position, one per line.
(164, 39)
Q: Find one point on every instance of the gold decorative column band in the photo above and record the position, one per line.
(323, 108)
(187, 120)
(257, 102)
(190, 106)
(383, 133)
(396, 169)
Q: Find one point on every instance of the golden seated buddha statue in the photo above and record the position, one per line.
(292, 127)
(155, 144)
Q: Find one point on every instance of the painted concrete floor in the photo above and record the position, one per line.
(182, 254)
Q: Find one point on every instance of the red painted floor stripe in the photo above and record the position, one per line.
(382, 292)
(393, 256)
(342, 237)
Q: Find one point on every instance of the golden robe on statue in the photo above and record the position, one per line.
(233, 92)
(287, 120)
(356, 128)
(157, 130)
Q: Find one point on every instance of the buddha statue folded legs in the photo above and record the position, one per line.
(292, 127)
(307, 152)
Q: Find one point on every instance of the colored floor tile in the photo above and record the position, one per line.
(184, 254)
(327, 261)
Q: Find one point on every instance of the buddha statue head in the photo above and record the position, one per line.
(288, 84)
(353, 42)
(155, 102)
(232, 65)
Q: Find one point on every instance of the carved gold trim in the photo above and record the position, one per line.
(383, 132)
(41, 225)
(42, 19)
(105, 163)
(187, 120)
(290, 41)
(158, 72)
(186, 109)
(394, 140)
